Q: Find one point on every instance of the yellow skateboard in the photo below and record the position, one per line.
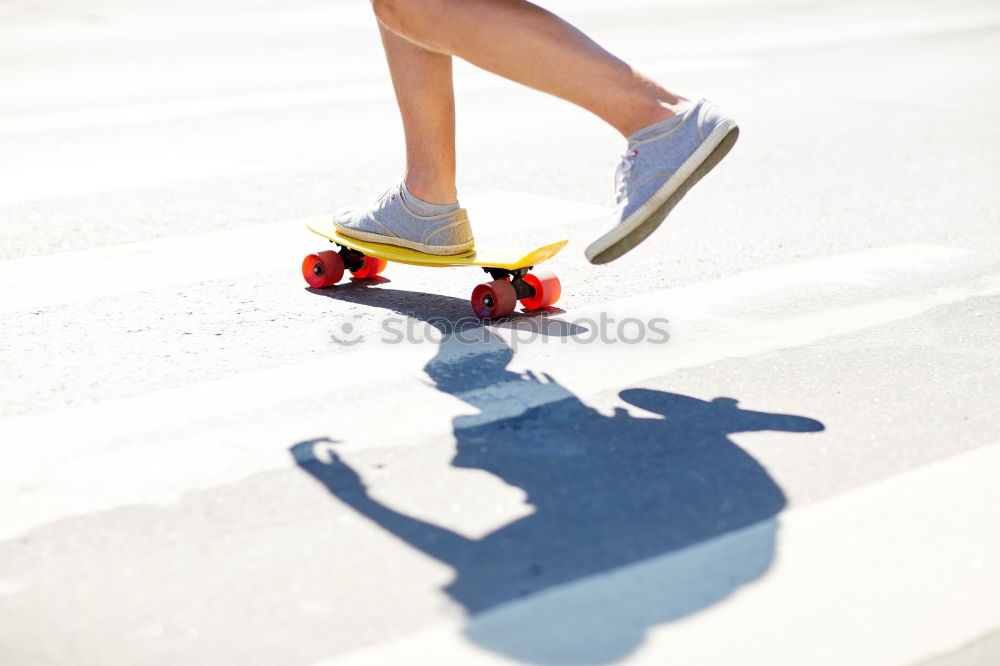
(511, 269)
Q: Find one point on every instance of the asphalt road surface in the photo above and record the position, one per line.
(769, 435)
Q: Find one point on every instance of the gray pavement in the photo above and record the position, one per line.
(204, 462)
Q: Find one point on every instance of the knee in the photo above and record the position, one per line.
(389, 12)
(409, 18)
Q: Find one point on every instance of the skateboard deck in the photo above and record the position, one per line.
(511, 269)
(487, 256)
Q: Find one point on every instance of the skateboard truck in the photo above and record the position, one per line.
(353, 259)
(516, 277)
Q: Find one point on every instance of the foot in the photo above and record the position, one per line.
(399, 218)
(662, 163)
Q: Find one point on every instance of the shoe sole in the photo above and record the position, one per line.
(651, 222)
(437, 250)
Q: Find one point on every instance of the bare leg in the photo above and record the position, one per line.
(425, 215)
(527, 44)
(512, 37)
(422, 80)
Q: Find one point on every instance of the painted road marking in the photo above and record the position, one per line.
(230, 425)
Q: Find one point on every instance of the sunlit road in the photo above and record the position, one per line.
(769, 435)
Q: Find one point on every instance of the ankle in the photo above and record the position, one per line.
(431, 191)
(424, 208)
(650, 112)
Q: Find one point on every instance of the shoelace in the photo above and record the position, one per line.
(622, 172)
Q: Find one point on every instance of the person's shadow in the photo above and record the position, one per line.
(607, 491)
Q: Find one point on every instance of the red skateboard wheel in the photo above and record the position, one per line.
(494, 299)
(547, 290)
(323, 269)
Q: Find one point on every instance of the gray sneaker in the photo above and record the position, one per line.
(392, 222)
(658, 169)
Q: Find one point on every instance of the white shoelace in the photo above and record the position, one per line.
(622, 172)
